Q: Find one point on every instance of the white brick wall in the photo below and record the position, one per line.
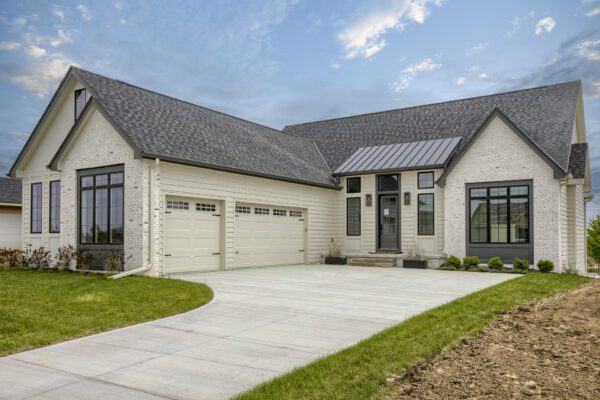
(99, 145)
(499, 154)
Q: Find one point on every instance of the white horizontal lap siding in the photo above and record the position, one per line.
(499, 154)
(580, 233)
(229, 187)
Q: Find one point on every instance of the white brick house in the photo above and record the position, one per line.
(178, 188)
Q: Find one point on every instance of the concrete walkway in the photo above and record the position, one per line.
(262, 323)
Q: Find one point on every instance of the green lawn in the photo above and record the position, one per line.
(359, 372)
(39, 308)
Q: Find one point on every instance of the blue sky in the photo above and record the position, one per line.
(280, 62)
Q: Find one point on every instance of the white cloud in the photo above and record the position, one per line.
(460, 80)
(9, 45)
(61, 38)
(41, 75)
(485, 77)
(36, 52)
(545, 25)
(59, 13)
(517, 21)
(593, 12)
(477, 48)
(363, 38)
(123, 22)
(84, 12)
(19, 22)
(589, 49)
(408, 73)
(336, 65)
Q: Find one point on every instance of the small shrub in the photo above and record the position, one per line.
(10, 258)
(40, 258)
(26, 257)
(470, 262)
(448, 267)
(114, 262)
(452, 261)
(545, 266)
(571, 270)
(64, 256)
(484, 269)
(84, 260)
(495, 263)
(520, 265)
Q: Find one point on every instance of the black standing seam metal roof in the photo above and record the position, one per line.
(578, 160)
(161, 126)
(400, 156)
(545, 114)
(10, 190)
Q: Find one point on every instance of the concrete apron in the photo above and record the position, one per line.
(261, 323)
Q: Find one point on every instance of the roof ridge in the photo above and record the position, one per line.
(434, 104)
(189, 102)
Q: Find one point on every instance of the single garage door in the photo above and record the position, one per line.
(192, 235)
(266, 235)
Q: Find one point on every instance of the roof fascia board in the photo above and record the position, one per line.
(559, 172)
(34, 133)
(175, 160)
(390, 170)
(15, 205)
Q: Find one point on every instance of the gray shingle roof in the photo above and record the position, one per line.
(577, 160)
(10, 190)
(401, 156)
(162, 126)
(545, 114)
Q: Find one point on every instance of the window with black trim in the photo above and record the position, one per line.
(101, 208)
(387, 183)
(353, 216)
(425, 180)
(296, 214)
(206, 207)
(426, 214)
(79, 102)
(54, 215)
(36, 208)
(261, 211)
(281, 213)
(242, 209)
(177, 205)
(499, 214)
(353, 185)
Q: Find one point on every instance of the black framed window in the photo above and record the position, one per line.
(387, 183)
(54, 214)
(499, 214)
(425, 180)
(353, 216)
(79, 102)
(36, 208)
(426, 214)
(101, 208)
(353, 185)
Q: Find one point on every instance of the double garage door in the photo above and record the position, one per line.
(263, 235)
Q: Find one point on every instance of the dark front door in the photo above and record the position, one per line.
(388, 222)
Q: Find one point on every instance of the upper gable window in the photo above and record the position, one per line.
(353, 185)
(79, 102)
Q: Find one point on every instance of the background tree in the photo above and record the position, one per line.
(593, 239)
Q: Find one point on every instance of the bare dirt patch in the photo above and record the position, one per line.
(549, 349)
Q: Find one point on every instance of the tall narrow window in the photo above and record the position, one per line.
(101, 209)
(353, 216)
(353, 185)
(36, 207)
(79, 102)
(426, 214)
(425, 180)
(54, 207)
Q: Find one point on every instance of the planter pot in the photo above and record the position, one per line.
(335, 260)
(422, 264)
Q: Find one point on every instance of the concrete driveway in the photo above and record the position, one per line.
(261, 323)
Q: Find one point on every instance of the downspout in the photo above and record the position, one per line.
(149, 265)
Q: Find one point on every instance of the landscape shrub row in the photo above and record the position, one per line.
(494, 264)
(66, 257)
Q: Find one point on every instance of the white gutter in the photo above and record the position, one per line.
(148, 266)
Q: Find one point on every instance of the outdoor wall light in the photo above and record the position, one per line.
(368, 200)
(407, 198)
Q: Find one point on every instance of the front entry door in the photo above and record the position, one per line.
(388, 222)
